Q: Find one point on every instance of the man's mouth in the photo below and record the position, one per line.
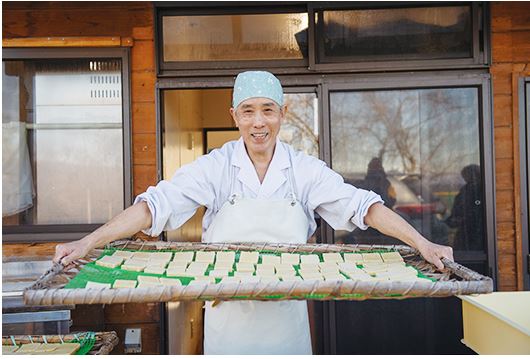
(260, 136)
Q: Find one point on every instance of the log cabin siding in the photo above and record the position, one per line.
(510, 61)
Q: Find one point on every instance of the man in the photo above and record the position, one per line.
(261, 190)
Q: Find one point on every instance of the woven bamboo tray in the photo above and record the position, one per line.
(455, 279)
(105, 341)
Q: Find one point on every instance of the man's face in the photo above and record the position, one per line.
(259, 120)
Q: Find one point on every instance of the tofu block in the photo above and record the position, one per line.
(248, 257)
(123, 254)
(134, 265)
(110, 262)
(174, 264)
(372, 257)
(285, 275)
(176, 272)
(311, 275)
(332, 257)
(183, 256)
(245, 267)
(346, 266)
(270, 259)
(157, 262)
(148, 284)
(222, 256)
(356, 258)
(310, 266)
(290, 258)
(170, 281)
(291, 279)
(147, 279)
(283, 267)
(28, 348)
(391, 257)
(333, 276)
(267, 270)
(197, 268)
(250, 279)
(203, 279)
(141, 255)
(161, 256)
(224, 265)
(96, 285)
(155, 269)
(218, 273)
(124, 283)
(309, 258)
(239, 274)
(205, 256)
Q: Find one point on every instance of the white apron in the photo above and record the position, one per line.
(258, 327)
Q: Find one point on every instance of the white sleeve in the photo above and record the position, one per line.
(173, 202)
(342, 205)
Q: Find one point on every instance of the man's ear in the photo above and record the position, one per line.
(233, 114)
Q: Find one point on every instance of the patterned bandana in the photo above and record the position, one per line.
(252, 84)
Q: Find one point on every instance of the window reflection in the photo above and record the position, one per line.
(300, 127)
(411, 147)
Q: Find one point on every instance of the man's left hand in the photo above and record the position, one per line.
(433, 253)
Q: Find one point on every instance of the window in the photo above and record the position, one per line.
(64, 134)
(403, 33)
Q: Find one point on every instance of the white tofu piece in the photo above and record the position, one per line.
(224, 265)
(170, 281)
(389, 257)
(328, 266)
(161, 256)
(110, 262)
(183, 256)
(332, 257)
(290, 258)
(283, 267)
(124, 283)
(205, 256)
(265, 271)
(197, 267)
(178, 264)
(134, 265)
(270, 259)
(176, 272)
(309, 258)
(311, 275)
(148, 284)
(245, 267)
(123, 254)
(348, 267)
(333, 276)
(141, 255)
(291, 279)
(242, 274)
(250, 279)
(203, 279)
(155, 269)
(286, 275)
(356, 258)
(248, 257)
(223, 256)
(96, 285)
(310, 266)
(157, 262)
(148, 278)
(372, 257)
(218, 273)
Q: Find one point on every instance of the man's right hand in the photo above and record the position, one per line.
(68, 252)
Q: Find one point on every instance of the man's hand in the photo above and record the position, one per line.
(68, 252)
(433, 253)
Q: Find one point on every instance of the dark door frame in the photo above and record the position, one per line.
(524, 163)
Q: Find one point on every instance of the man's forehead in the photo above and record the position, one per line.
(255, 102)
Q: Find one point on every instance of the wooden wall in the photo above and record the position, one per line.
(94, 19)
(511, 61)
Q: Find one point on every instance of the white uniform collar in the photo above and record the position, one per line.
(248, 175)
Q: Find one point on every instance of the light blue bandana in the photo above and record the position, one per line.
(251, 84)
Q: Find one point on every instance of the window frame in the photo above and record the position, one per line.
(69, 232)
(310, 65)
(524, 158)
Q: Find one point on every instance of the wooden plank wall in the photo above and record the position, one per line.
(510, 61)
(121, 19)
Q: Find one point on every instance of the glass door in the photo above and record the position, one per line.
(419, 144)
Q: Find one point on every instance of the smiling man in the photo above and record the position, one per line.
(256, 189)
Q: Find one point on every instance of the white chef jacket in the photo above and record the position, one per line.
(206, 182)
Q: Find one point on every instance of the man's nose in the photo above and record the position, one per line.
(259, 120)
